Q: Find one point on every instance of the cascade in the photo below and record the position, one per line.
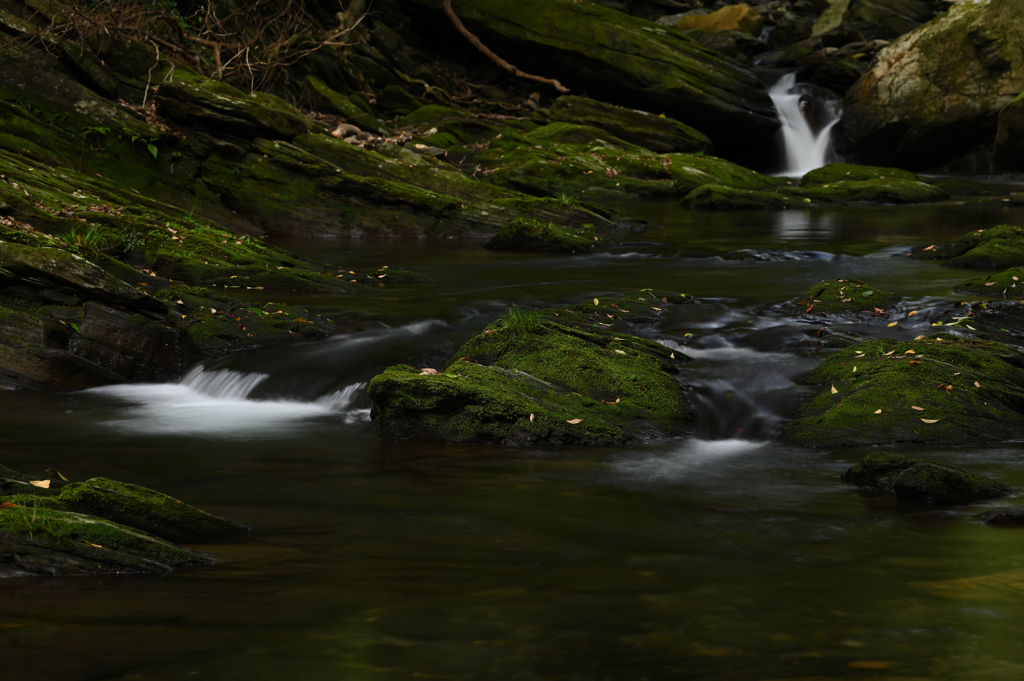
(807, 114)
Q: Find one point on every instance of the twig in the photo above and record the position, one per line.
(149, 75)
(493, 57)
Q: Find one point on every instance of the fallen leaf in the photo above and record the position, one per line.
(91, 544)
(596, 302)
(917, 408)
(687, 335)
(834, 391)
(920, 337)
(489, 331)
(574, 421)
(910, 352)
(991, 283)
(914, 361)
(672, 355)
(892, 323)
(532, 416)
(970, 327)
(854, 369)
(429, 372)
(54, 473)
(620, 352)
(45, 484)
(930, 247)
(930, 420)
(889, 353)
(617, 400)
(8, 504)
(878, 411)
(977, 385)
(809, 309)
(912, 313)
(873, 664)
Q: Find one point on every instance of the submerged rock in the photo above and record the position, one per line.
(933, 390)
(922, 481)
(844, 300)
(551, 376)
(718, 197)
(936, 91)
(1003, 515)
(49, 526)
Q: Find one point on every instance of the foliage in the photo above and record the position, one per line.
(522, 320)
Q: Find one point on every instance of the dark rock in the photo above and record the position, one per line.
(921, 481)
(1003, 515)
(531, 236)
(1009, 145)
(844, 300)
(718, 197)
(218, 106)
(848, 172)
(891, 17)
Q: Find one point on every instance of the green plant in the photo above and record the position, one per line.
(564, 200)
(522, 320)
(91, 238)
(133, 240)
(134, 137)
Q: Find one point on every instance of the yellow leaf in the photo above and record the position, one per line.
(917, 408)
(574, 421)
(596, 301)
(970, 327)
(892, 323)
(854, 369)
(620, 352)
(687, 335)
(834, 391)
(912, 313)
(878, 411)
(920, 337)
(889, 353)
(930, 420)
(45, 484)
(909, 352)
(54, 473)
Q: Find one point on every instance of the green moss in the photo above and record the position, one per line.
(848, 172)
(1007, 284)
(526, 383)
(895, 191)
(718, 197)
(969, 391)
(530, 236)
(845, 297)
(923, 481)
(994, 248)
(430, 115)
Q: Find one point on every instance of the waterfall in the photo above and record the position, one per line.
(807, 114)
(222, 384)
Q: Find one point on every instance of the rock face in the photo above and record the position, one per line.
(933, 390)
(844, 300)
(626, 61)
(98, 527)
(1009, 146)
(921, 481)
(553, 376)
(893, 17)
(730, 18)
(935, 92)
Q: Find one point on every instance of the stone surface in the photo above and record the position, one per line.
(740, 17)
(936, 92)
(531, 236)
(920, 481)
(1009, 145)
(894, 17)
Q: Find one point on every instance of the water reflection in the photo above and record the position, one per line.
(805, 225)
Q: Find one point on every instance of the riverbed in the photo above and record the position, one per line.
(724, 555)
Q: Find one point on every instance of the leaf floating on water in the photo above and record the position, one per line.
(878, 411)
(917, 408)
(45, 484)
(930, 420)
(892, 323)
(574, 421)
(834, 391)
(912, 313)
(532, 416)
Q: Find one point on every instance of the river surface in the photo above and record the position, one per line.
(723, 556)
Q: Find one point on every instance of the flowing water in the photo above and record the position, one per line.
(721, 556)
(807, 115)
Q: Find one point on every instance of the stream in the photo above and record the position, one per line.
(721, 556)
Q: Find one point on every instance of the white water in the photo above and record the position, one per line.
(217, 404)
(803, 149)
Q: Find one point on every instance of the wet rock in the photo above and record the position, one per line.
(655, 133)
(218, 106)
(740, 46)
(740, 17)
(992, 248)
(937, 390)
(935, 93)
(922, 481)
(717, 197)
(551, 376)
(531, 236)
(625, 61)
(98, 527)
(844, 300)
(337, 103)
(871, 191)
(1003, 515)
(848, 172)
(1009, 145)
(893, 17)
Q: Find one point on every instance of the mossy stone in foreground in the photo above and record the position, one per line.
(532, 236)
(844, 297)
(934, 391)
(527, 380)
(921, 481)
(994, 248)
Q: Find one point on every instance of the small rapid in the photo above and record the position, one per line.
(807, 114)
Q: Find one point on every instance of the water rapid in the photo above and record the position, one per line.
(807, 114)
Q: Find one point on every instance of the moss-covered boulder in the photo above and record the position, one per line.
(935, 92)
(934, 390)
(844, 300)
(624, 60)
(888, 191)
(531, 236)
(551, 376)
(888, 18)
(848, 172)
(51, 527)
(718, 197)
(740, 17)
(1007, 516)
(659, 134)
(993, 248)
(922, 481)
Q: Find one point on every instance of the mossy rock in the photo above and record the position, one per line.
(530, 379)
(1007, 516)
(848, 172)
(394, 275)
(932, 391)
(994, 248)
(430, 115)
(718, 197)
(846, 299)
(531, 236)
(922, 481)
(659, 134)
(961, 186)
(338, 103)
(97, 527)
(1006, 284)
(884, 191)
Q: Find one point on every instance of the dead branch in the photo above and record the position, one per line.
(447, 4)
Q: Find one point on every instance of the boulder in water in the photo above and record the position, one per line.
(936, 92)
(923, 481)
(530, 236)
(844, 300)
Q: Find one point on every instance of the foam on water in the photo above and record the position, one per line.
(691, 458)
